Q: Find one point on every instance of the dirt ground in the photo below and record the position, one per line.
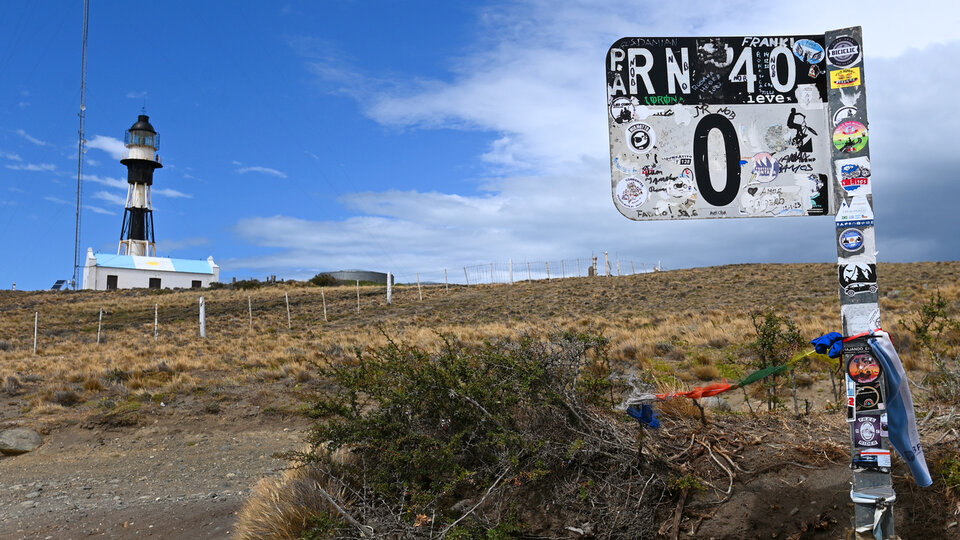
(177, 475)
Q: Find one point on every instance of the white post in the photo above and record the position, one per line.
(286, 296)
(578, 267)
(465, 276)
(99, 325)
(36, 324)
(389, 288)
(529, 278)
(563, 269)
(156, 321)
(491, 272)
(606, 257)
(618, 267)
(548, 270)
(250, 310)
(511, 271)
(358, 296)
(446, 282)
(203, 318)
(419, 290)
(324, 298)
(633, 268)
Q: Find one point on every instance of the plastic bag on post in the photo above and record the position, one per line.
(900, 417)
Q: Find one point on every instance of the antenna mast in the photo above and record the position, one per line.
(82, 144)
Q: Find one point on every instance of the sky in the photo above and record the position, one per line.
(413, 136)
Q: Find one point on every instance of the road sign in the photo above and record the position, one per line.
(721, 127)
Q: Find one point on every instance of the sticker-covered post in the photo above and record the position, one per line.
(872, 487)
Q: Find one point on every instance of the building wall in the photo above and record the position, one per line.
(129, 278)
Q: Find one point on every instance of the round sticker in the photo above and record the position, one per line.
(641, 138)
(863, 368)
(868, 398)
(851, 239)
(808, 51)
(622, 110)
(682, 187)
(850, 137)
(843, 114)
(631, 192)
(843, 51)
(867, 432)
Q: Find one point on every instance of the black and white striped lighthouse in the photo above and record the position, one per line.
(136, 235)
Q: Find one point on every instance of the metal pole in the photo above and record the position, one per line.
(419, 290)
(618, 267)
(156, 321)
(548, 270)
(606, 258)
(491, 272)
(36, 324)
(511, 271)
(528, 272)
(389, 288)
(99, 325)
(578, 267)
(446, 282)
(465, 276)
(563, 269)
(324, 298)
(82, 143)
(633, 269)
(358, 297)
(250, 310)
(203, 318)
(286, 297)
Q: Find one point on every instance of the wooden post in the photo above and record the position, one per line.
(389, 288)
(358, 297)
(36, 325)
(563, 269)
(250, 310)
(606, 258)
(286, 296)
(548, 270)
(511, 271)
(465, 276)
(578, 267)
(491, 272)
(618, 267)
(633, 269)
(419, 290)
(203, 318)
(446, 282)
(99, 325)
(156, 321)
(324, 298)
(528, 272)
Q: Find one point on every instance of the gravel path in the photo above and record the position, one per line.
(178, 477)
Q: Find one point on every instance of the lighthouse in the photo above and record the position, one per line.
(136, 234)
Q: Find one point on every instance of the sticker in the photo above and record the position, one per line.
(882, 456)
(851, 240)
(681, 159)
(866, 315)
(765, 168)
(863, 368)
(843, 51)
(884, 428)
(856, 213)
(776, 138)
(843, 114)
(808, 51)
(808, 96)
(866, 432)
(631, 193)
(851, 398)
(868, 398)
(854, 174)
(641, 138)
(622, 111)
(683, 186)
(845, 78)
(857, 278)
(819, 194)
(850, 137)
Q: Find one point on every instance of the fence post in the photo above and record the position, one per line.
(548, 270)
(203, 318)
(250, 310)
(324, 298)
(358, 297)
(286, 296)
(633, 268)
(511, 271)
(419, 290)
(389, 288)
(578, 267)
(36, 324)
(465, 276)
(563, 269)
(446, 282)
(99, 325)
(156, 321)
(618, 268)
(491, 272)
(529, 278)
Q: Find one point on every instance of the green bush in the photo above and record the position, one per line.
(778, 339)
(323, 280)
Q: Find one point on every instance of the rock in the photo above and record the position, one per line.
(19, 441)
(716, 402)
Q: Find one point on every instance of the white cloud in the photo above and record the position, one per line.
(98, 210)
(110, 197)
(57, 200)
(11, 156)
(37, 167)
(106, 181)
(110, 145)
(31, 139)
(92, 162)
(262, 170)
(166, 192)
(136, 95)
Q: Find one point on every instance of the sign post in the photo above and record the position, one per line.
(753, 126)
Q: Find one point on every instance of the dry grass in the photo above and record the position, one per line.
(685, 322)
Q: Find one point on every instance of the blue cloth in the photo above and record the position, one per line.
(900, 417)
(646, 415)
(830, 344)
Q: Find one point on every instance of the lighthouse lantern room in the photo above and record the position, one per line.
(136, 234)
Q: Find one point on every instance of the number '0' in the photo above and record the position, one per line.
(701, 168)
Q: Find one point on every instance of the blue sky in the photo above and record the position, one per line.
(416, 136)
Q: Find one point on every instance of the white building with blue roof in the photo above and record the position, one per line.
(103, 271)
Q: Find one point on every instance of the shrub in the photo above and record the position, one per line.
(777, 340)
(457, 437)
(934, 329)
(323, 280)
